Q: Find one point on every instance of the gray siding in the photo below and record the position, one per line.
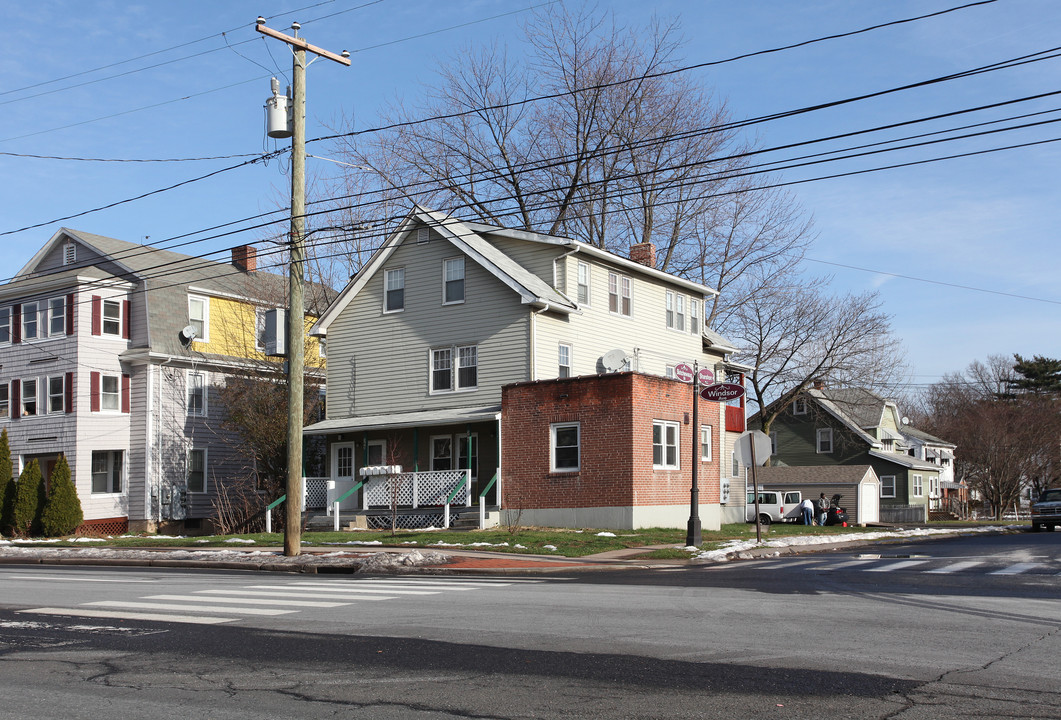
(378, 362)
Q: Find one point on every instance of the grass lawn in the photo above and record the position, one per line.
(538, 541)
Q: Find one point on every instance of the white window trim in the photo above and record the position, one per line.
(819, 434)
(36, 321)
(62, 394)
(560, 360)
(463, 279)
(5, 414)
(337, 448)
(259, 328)
(52, 317)
(734, 465)
(118, 383)
(36, 396)
(694, 316)
(205, 337)
(187, 393)
(553, 427)
(382, 445)
(7, 324)
(588, 284)
(883, 484)
(664, 424)
(386, 282)
(454, 369)
(188, 472)
(620, 281)
(110, 474)
(799, 406)
(710, 443)
(431, 446)
(917, 485)
(118, 303)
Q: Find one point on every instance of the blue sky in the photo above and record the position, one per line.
(985, 221)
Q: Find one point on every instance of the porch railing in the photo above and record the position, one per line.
(414, 489)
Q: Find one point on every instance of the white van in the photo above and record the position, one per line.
(775, 506)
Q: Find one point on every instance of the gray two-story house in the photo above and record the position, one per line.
(447, 314)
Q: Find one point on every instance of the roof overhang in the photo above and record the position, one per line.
(401, 421)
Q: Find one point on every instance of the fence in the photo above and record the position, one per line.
(901, 514)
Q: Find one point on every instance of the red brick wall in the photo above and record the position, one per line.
(615, 413)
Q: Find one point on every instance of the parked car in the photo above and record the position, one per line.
(1046, 512)
(775, 506)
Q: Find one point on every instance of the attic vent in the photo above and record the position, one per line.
(69, 254)
(422, 235)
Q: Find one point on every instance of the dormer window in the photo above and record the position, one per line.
(799, 406)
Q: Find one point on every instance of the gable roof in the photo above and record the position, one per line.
(814, 475)
(912, 432)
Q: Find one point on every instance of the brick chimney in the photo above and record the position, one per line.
(818, 383)
(245, 257)
(644, 253)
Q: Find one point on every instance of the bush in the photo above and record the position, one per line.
(7, 486)
(29, 491)
(62, 510)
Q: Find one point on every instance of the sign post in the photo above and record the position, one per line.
(752, 445)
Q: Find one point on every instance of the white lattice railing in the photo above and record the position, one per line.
(415, 489)
(314, 493)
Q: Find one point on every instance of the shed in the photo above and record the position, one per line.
(858, 484)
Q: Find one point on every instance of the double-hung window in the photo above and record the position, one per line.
(197, 394)
(824, 440)
(442, 453)
(564, 447)
(887, 486)
(107, 471)
(442, 370)
(110, 392)
(5, 401)
(454, 368)
(394, 290)
(29, 397)
(453, 280)
(57, 317)
(259, 329)
(112, 318)
(799, 406)
(620, 300)
(694, 316)
(198, 316)
(197, 471)
(57, 394)
(919, 486)
(583, 283)
(705, 443)
(29, 320)
(5, 325)
(664, 445)
(564, 360)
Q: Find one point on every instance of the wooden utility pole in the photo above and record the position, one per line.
(296, 275)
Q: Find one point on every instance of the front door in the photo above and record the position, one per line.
(343, 474)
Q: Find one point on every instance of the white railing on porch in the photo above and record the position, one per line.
(413, 489)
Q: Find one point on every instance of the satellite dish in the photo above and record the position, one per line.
(614, 360)
(186, 335)
(906, 420)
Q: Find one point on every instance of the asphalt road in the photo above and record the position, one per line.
(941, 629)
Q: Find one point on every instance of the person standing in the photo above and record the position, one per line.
(808, 511)
(823, 509)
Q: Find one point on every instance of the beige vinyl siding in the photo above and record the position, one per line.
(385, 367)
(595, 330)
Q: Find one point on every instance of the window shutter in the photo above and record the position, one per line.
(125, 393)
(16, 398)
(70, 313)
(97, 315)
(125, 319)
(16, 324)
(94, 390)
(68, 390)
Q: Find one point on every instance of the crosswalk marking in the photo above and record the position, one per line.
(1015, 569)
(174, 606)
(331, 589)
(891, 567)
(282, 594)
(247, 600)
(955, 567)
(156, 617)
(846, 565)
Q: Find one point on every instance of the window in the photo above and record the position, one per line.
(619, 294)
(463, 461)
(5, 401)
(29, 320)
(198, 316)
(887, 486)
(197, 471)
(933, 485)
(825, 440)
(583, 284)
(564, 360)
(564, 450)
(57, 394)
(453, 280)
(664, 444)
(5, 325)
(705, 443)
(734, 470)
(918, 486)
(394, 290)
(29, 397)
(57, 317)
(107, 471)
(694, 317)
(110, 392)
(112, 317)
(377, 452)
(442, 453)
(442, 369)
(197, 394)
(773, 443)
(259, 329)
(344, 461)
(675, 311)
(799, 406)
(322, 347)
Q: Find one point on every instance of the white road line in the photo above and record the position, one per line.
(1015, 569)
(72, 579)
(331, 589)
(88, 612)
(175, 606)
(281, 594)
(955, 567)
(247, 601)
(891, 567)
(846, 565)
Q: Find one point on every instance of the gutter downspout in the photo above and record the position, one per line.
(533, 374)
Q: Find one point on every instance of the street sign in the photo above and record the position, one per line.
(706, 375)
(743, 447)
(684, 372)
(722, 392)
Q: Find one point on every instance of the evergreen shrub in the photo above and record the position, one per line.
(62, 512)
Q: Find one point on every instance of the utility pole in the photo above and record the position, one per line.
(296, 275)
